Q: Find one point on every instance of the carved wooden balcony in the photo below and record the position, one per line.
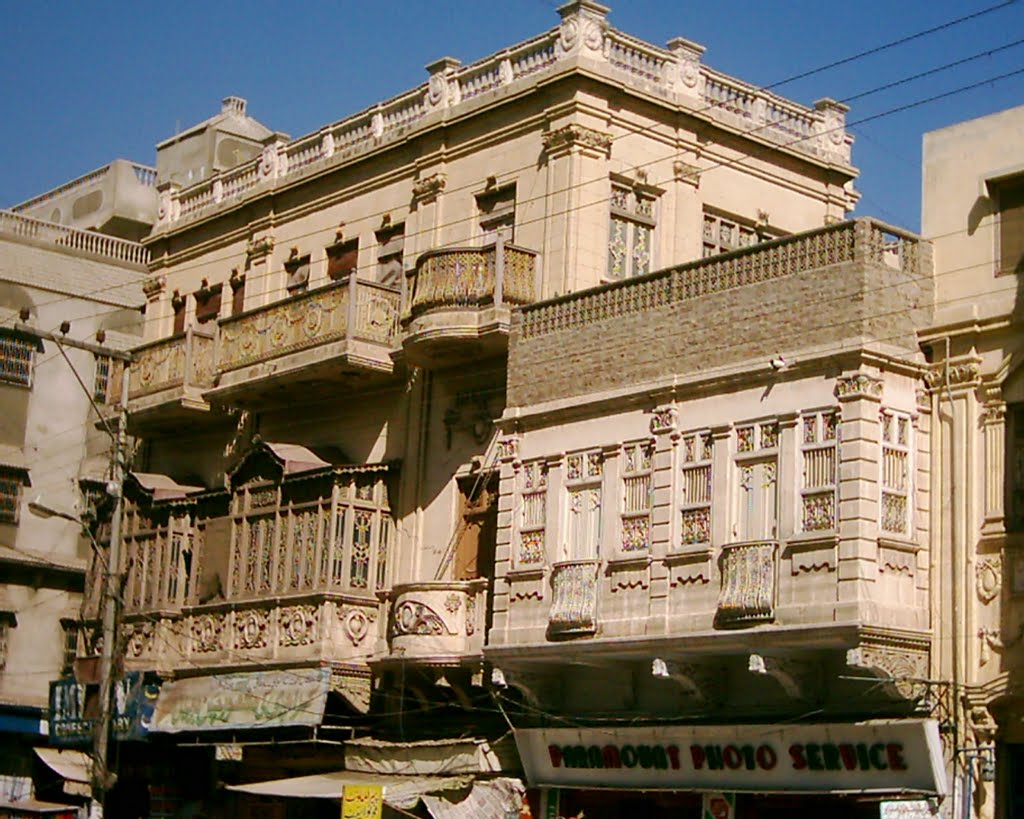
(316, 338)
(168, 377)
(437, 623)
(574, 607)
(294, 630)
(458, 301)
(749, 579)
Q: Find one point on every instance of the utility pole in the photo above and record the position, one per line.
(102, 780)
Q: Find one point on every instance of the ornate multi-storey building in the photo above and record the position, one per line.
(973, 212)
(554, 394)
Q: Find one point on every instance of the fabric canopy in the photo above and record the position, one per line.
(72, 766)
(399, 791)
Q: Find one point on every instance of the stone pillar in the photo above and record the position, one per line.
(663, 429)
(575, 244)
(788, 476)
(860, 396)
(508, 460)
(993, 419)
(425, 218)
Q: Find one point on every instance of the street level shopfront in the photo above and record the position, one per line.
(842, 769)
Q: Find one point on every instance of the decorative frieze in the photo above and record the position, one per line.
(959, 374)
(902, 667)
(663, 420)
(355, 622)
(508, 449)
(206, 632)
(988, 578)
(298, 625)
(251, 629)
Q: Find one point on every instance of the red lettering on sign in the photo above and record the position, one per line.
(611, 757)
(799, 760)
(848, 755)
(732, 757)
(697, 755)
(556, 756)
(673, 756)
(894, 750)
(766, 757)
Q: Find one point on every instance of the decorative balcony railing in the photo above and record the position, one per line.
(308, 627)
(749, 573)
(499, 275)
(671, 74)
(143, 173)
(437, 620)
(86, 241)
(183, 362)
(354, 310)
(574, 603)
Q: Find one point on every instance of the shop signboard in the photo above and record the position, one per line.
(718, 806)
(74, 709)
(362, 802)
(905, 809)
(879, 756)
(259, 699)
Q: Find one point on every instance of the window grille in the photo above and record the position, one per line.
(696, 488)
(819, 449)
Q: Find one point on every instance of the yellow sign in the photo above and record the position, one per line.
(362, 802)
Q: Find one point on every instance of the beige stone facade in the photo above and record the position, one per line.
(561, 382)
(972, 212)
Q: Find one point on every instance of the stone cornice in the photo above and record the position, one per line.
(572, 137)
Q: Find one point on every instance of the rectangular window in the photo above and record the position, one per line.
(70, 628)
(7, 622)
(636, 496)
(11, 481)
(533, 487)
(16, 359)
(630, 233)
(584, 472)
(390, 250)
(722, 234)
(1010, 204)
(896, 494)
(695, 479)
(208, 303)
(757, 454)
(342, 259)
(819, 450)
(297, 268)
(101, 383)
(497, 211)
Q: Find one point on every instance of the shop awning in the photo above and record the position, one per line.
(488, 798)
(259, 699)
(72, 766)
(33, 807)
(399, 791)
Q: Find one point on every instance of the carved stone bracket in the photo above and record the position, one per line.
(508, 449)
(663, 420)
(858, 385)
(577, 137)
(685, 172)
(353, 685)
(429, 188)
(902, 670)
(961, 374)
(797, 677)
(992, 640)
(257, 249)
(154, 286)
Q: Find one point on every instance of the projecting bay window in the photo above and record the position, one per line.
(293, 539)
(636, 497)
(533, 488)
(695, 493)
(159, 561)
(584, 472)
(630, 233)
(757, 455)
(895, 467)
(819, 451)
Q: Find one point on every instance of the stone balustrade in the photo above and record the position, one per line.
(86, 241)
(354, 310)
(674, 74)
(144, 174)
(440, 620)
(183, 361)
(496, 275)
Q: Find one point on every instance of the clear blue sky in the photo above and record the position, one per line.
(85, 83)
